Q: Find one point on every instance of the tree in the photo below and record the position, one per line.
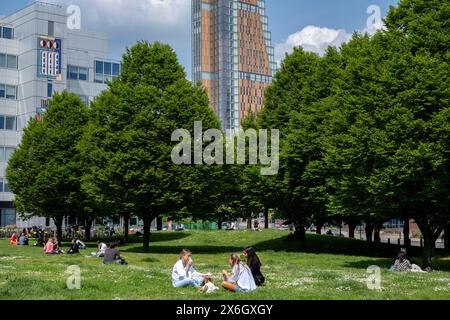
(131, 129)
(296, 104)
(45, 170)
(417, 78)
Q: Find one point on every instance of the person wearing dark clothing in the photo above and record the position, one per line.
(254, 264)
(74, 248)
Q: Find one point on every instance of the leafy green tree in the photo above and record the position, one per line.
(296, 105)
(130, 136)
(45, 170)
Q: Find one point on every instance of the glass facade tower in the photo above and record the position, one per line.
(232, 56)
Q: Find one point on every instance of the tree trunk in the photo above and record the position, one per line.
(219, 224)
(351, 230)
(429, 242)
(406, 231)
(369, 233)
(126, 226)
(87, 229)
(447, 237)
(319, 226)
(159, 223)
(146, 238)
(59, 232)
(428, 249)
(376, 235)
(300, 234)
(249, 223)
(266, 218)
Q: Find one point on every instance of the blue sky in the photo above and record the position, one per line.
(311, 23)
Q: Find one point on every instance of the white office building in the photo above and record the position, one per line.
(40, 55)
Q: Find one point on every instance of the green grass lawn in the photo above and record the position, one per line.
(332, 268)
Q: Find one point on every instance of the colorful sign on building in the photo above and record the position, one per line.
(49, 58)
(40, 111)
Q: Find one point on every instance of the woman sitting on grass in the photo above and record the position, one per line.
(184, 273)
(241, 278)
(48, 248)
(254, 264)
(101, 250)
(403, 264)
(23, 240)
(56, 246)
(13, 240)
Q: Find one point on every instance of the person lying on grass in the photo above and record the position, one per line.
(240, 279)
(184, 273)
(403, 264)
(112, 254)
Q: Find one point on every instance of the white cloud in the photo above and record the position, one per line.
(313, 39)
(317, 39)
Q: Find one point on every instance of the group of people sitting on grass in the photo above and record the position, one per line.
(19, 241)
(242, 278)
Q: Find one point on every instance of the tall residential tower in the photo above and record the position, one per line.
(232, 56)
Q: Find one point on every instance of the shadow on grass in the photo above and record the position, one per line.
(318, 244)
(154, 238)
(177, 249)
(168, 236)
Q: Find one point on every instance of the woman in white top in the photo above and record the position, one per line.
(101, 250)
(184, 274)
(241, 278)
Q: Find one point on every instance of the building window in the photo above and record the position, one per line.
(106, 71)
(11, 62)
(72, 72)
(83, 74)
(6, 153)
(7, 217)
(7, 123)
(8, 92)
(77, 73)
(6, 33)
(10, 123)
(8, 61)
(4, 185)
(49, 89)
(51, 28)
